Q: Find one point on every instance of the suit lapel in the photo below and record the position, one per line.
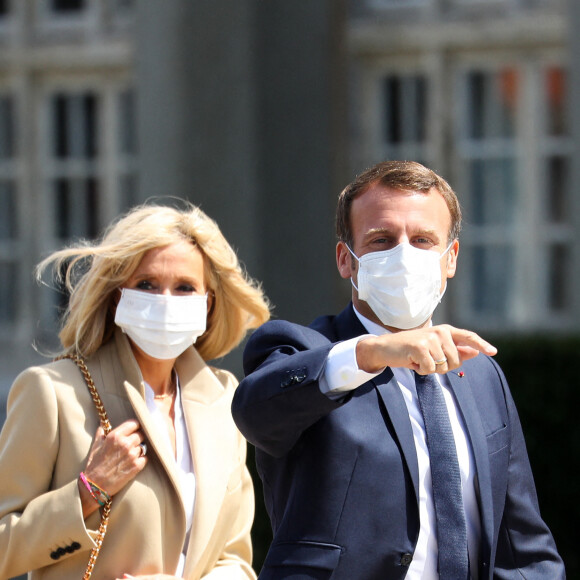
(395, 406)
(349, 326)
(461, 388)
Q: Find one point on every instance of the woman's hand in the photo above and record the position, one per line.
(113, 461)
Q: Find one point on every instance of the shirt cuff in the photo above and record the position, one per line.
(341, 373)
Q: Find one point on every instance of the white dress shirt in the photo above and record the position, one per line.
(184, 462)
(341, 375)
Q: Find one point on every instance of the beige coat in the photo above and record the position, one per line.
(45, 443)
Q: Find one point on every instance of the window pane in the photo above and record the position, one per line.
(127, 124)
(67, 5)
(405, 109)
(491, 105)
(6, 128)
(7, 211)
(393, 116)
(556, 190)
(558, 277)
(493, 191)
(9, 276)
(128, 190)
(555, 88)
(124, 5)
(76, 207)
(492, 269)
(75, 127)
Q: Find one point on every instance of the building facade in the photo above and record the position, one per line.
(262, 111)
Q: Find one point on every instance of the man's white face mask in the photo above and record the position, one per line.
(401, 285)
(160, 325)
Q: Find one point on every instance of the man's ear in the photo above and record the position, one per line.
(452, 258)
(344, 260)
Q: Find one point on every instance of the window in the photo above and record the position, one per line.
(404, 110)
(88, 167)
(74, 182)
(514, 188)
(67, 6)
(127, 148)
(8, 213)
(396, 3)
(555, 190)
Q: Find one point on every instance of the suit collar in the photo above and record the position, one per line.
(348, 325)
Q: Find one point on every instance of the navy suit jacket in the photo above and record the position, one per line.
(341, 477)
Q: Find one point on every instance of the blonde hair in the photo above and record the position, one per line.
(93, 272)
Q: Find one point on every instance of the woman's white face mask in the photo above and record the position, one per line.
(402, 285)
(162, 326)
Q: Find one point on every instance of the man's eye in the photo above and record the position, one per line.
(383, 242)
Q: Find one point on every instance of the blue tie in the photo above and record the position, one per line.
(446, 478)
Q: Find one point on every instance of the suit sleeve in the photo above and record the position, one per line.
(525, 544)
(280, 396)
(37, 523)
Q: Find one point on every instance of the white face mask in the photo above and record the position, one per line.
(160, 325)
(401, 285)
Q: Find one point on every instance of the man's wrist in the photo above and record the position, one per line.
(366, 355)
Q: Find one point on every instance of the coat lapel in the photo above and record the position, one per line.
(135, 391)
(211, 449)
(202, 401)
(461, 388)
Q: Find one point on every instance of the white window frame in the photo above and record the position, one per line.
(107, 167)
(11, 250)
(368, 98)
(529, 235)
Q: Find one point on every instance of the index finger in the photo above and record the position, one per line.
(470, 339)
(128, 427)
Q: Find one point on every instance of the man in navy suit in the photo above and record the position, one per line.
(353, 473)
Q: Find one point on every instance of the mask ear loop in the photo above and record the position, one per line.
(447, 249)
(442, 293)
(357, 259)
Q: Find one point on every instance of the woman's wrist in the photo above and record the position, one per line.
(88, 502)
(96, 492)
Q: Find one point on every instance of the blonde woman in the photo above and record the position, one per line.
(159, 295)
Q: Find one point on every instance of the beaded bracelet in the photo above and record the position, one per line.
(97, 493)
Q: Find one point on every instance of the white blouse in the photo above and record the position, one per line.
(183, 463)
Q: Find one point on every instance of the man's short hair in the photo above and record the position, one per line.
(402, 175)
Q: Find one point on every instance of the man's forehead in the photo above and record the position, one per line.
(381, 209)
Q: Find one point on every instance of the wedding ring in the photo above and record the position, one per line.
(142, 449)
(441, 362)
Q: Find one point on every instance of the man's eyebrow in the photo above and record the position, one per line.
(374, 231)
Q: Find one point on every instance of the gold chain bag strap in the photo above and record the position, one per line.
(106, 425)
